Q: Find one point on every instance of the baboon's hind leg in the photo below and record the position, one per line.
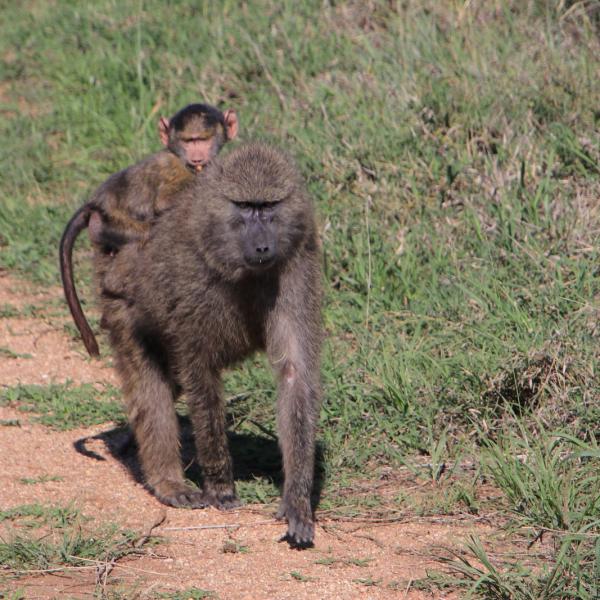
(153, 419)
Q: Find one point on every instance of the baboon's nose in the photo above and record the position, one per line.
(262, 254)
(260, 247)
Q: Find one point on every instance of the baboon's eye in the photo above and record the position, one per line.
(258, 205)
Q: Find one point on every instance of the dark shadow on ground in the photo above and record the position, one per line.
(254, 456)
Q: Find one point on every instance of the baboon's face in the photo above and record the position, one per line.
(198, 143)
(257, 230)
(249, 236)
(245, 237)
(252, 215)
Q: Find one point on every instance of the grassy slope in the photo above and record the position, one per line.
(454, 155)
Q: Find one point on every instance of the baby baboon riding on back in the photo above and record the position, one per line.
(121, 212)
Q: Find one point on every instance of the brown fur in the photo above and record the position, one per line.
(123, 209)
(196, 307)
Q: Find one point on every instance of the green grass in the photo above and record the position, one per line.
(18, 594)
(188, 594)
(368, 582)
(38, 515)
(302, 578)
(453, 152)
(551, 488)
(573, 572)
(65, 406)
(37, 537)
(356, 562)
(40, 479)
(257, 490)
(550, 479)
(8, 353)
(8, 311)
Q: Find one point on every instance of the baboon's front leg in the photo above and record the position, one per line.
(207, 412)
(297, 412)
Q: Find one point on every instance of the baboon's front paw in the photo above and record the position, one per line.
(301, 527)
(180, 495)
(221, 496)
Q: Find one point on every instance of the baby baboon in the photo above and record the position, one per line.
(233, 269)
(124, 207)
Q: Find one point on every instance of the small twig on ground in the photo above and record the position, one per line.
(236, 398)
(98, 563)
(370, 538)
(222, 526)
(49, 570)
(263, 429)
(538, 536)
(199, 527)
(103, 571)
(363, 518)
(332, 530)
(160, 519)
(38, 337)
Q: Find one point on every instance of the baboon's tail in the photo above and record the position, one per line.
(78, 222)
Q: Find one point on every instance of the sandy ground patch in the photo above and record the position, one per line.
(392, 555)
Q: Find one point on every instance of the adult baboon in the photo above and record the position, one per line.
(233, 268)
(124, 207)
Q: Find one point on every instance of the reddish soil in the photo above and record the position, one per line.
(394, 554)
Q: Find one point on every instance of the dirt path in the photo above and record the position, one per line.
(349, 560)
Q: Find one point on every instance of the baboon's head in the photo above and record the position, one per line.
(254, 214)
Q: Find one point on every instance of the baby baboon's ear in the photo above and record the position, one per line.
(231, 123)
(163, 131)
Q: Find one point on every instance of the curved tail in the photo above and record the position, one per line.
(78, 222)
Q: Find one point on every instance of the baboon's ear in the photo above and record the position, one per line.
(163, 130)
(231, 123)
